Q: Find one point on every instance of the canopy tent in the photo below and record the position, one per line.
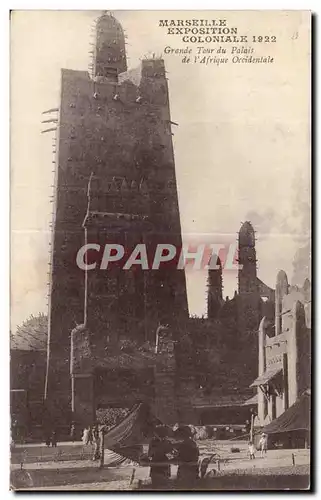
(127, 438)
(295, 418)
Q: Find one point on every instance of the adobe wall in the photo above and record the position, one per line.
(289, 348)
(105, 130)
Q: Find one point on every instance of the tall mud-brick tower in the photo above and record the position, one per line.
(115, 184)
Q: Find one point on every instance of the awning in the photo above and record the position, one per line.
(268, 375)
(220, 401)
(252, 401)
(295, 418)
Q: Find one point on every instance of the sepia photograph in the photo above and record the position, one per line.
(160, 274)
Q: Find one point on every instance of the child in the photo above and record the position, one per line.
(251, 450)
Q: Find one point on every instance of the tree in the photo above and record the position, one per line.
(31, 335)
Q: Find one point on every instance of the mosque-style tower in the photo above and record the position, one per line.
(115, 183)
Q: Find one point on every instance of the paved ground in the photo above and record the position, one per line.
(68, 467)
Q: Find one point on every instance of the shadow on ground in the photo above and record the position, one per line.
(41, 478)
(296, 478)
(287, 478)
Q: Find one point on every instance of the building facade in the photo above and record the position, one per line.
(284, 350)
(115, 335)
(115, 183)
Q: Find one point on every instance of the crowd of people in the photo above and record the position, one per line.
(166, 447)
(177, 448)
(181, 449)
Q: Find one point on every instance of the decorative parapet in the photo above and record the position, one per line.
(124, 355)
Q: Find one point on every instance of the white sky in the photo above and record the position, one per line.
(242, 148)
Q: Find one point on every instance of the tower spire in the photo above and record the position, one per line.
(109, 54)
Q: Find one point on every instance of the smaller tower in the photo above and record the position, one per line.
(281, 289)
(110, 54)
(214, 288)
(247, 260)
(249, 301)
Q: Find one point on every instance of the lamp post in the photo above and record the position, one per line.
(102, 448)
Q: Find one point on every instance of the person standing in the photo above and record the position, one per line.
(159, 449)
(247, 427)
(73, 431)
(14, 433)
(90, 435)
(96, 439)
(263, 444)
(85, 436)
(54, 438)
(187, 457)
(48, 439)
